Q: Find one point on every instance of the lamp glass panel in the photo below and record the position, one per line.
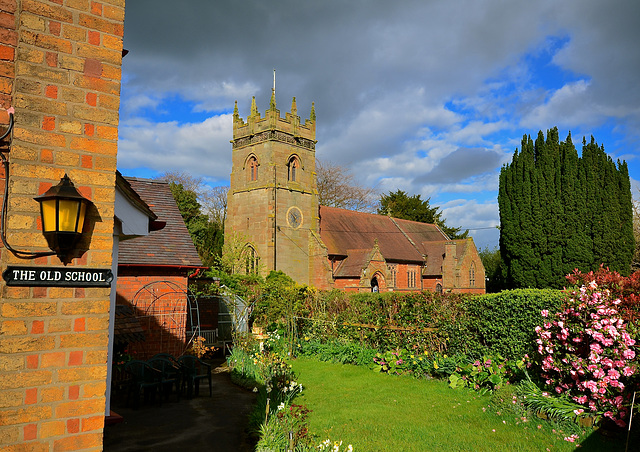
(83, 212)
(67, 215)
(49, 215)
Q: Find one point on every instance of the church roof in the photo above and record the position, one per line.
(355, 261)
(170, 246)
(343, 231)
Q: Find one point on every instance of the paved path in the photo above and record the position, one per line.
(202, 424)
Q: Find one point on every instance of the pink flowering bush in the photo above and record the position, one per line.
(585, 352)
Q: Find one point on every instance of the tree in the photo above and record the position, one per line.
(337, 188)
(492, 263)
(559, 212)
(635, 264)
(207, 236)
(400, 205)
(213, 201)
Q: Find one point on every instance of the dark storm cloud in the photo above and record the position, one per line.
(460, 165)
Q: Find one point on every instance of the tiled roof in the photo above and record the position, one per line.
(435, 254)
(353, 264)
(399, 240)
(170, 246)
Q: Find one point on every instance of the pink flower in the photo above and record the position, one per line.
(627, 371)
(544, 312)
(628, 354)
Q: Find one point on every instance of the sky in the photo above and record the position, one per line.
(430, 97)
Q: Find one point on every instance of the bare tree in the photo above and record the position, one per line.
(214, 204)
(213, 201)
(337, 188)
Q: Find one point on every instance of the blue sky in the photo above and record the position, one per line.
(431, 97)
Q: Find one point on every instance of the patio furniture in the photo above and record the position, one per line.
(145, 379)
(195, 370)
(170, 374)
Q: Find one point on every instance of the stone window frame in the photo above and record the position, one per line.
(294, 165)
(251, 166)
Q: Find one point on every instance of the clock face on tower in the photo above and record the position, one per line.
(294, 217)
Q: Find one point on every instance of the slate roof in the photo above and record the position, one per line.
(170, 246)
(399, 240)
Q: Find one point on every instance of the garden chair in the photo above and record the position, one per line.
(145, 379)
(195, 370)
(170, 374)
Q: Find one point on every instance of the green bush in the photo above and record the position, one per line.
(504, 323)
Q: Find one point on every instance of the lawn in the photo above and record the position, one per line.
(378, 412)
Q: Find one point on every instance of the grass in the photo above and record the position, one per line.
(378, 412)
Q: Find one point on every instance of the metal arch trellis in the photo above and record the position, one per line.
(174, 325)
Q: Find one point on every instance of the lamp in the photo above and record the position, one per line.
(63, 211)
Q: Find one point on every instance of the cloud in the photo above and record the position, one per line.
(201, 148)
(462, 164)
(428, 97)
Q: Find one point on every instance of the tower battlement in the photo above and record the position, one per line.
(273, 127)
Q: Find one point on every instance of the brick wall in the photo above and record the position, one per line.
(60, 70)
(160, 303)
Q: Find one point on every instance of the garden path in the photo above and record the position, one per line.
(203, 423)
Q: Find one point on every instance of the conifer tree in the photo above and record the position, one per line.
(559, 212)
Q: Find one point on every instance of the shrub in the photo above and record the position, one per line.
(504, 323)
(585, 351)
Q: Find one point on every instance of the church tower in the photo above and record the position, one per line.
(272, 206)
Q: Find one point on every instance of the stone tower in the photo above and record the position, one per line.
(272, 206)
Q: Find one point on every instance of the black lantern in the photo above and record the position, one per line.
(63, 211)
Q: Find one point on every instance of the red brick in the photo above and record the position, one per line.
(37, 327)
(75, 358)
(40, 292)
(73, 425)
(92, 68)
(54, 28)
(7, 53)
(51, 91)
(8, 5)
(96, 8)
(49, 123)
(46, 156)
(92, 99)
(74, 392)
(79, 324)
(30, 432)
(31, 396)
(51, 59)
(93, 38)
(89, 129)
(86, 162)
(32, 362)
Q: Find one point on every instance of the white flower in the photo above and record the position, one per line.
(281, 406)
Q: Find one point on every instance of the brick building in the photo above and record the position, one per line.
(153, 273)
(60, 68)
(273, 215)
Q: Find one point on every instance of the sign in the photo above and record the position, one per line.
(58, 277)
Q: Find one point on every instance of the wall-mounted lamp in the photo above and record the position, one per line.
(63, 210)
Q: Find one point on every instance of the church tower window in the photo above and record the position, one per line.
(472, 275)
(293, 168)
(253, 169)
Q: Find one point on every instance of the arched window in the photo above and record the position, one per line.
(472, 275)
(293, 165)
(374, 285)
(253, 168)
(438, 288)
(250, 260)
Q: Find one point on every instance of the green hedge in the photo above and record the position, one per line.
(504, 323)
(472, 325)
